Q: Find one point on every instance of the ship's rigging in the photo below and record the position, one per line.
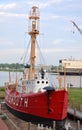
(33, 31)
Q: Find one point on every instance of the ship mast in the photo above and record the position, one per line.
(33, 32)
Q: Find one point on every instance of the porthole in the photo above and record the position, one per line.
(38, 82)
(42, 82)
(46, 82)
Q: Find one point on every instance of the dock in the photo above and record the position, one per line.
(3, 126)
(74, 114)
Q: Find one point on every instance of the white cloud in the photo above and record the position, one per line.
(5, 42)
(16, 52)
(57, 41)
(53, 50)
(6, 10)
(49, 3)
(55, 1)
(12, 14)
(49, 54)
(8, 52)
(52, 55)
(10, 55)
(7, 6)
(47, 50)
(43, 4)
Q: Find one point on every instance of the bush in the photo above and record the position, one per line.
(4, 117)
(2, 89)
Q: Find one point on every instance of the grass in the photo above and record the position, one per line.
(75, 97)
(2, 89)
(2, 92)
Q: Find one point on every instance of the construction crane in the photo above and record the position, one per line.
(76, 26)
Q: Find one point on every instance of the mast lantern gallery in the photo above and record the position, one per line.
(33, 32)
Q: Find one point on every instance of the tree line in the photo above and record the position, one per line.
(17, 66)
(11, 66)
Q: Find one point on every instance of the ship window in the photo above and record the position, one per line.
(42, 82)
(38, 82)
(46, 82)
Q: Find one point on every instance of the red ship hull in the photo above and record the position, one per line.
(40, 107)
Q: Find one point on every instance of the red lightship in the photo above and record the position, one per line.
(35, 99)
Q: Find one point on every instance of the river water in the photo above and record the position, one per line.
(4, 77)
(75, 81)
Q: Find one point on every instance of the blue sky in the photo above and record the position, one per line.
(57, 40)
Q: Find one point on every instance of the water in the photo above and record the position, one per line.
(75, 81)
(4, 77)
(71, 81)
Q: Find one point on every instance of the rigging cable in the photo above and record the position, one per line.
(40, 54)
(23, 57)
(26, 52)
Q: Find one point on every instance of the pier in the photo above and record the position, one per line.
(15, 123)
(3, 126)
(75, 114)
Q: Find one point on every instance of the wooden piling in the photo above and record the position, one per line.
(35, 128)
(28, 125)
(44, 128)
(81, 108)
(78, 125)
(54, 125)
(0, 108)
(74, 113)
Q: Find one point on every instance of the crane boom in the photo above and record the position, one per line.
(77, 27)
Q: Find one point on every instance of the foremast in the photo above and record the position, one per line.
(33, 32)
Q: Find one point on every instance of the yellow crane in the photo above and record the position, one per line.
(76, 26)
